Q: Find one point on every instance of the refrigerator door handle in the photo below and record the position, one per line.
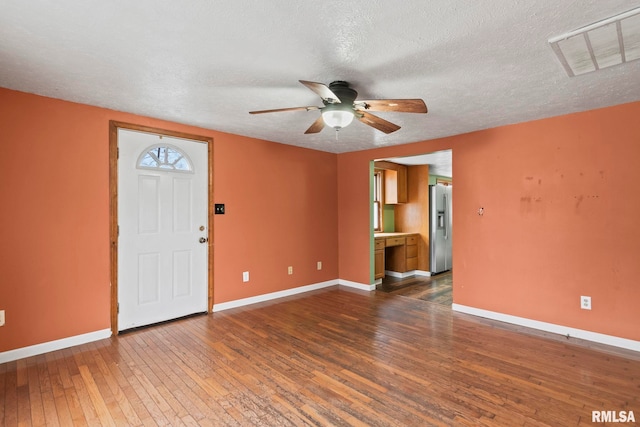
(446, 219)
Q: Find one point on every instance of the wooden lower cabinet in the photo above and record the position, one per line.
(400, 254)
(379, 258)
(412, 252)
(379, 270)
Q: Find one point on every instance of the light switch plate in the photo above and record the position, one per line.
(1, 317)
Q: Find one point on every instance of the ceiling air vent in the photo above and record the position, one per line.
(600, 45)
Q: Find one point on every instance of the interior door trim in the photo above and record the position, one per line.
(113, 207)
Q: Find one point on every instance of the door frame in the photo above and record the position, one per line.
(113, 207)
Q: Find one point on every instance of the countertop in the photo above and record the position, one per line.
(383, 235)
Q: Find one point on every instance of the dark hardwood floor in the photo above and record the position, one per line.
(436, 289)
(331, 357)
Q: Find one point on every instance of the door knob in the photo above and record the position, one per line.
(203, 240)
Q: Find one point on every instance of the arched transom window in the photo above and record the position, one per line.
(165, 157)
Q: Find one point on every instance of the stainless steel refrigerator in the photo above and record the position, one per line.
(440, 228)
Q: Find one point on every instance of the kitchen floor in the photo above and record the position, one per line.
(436, 289)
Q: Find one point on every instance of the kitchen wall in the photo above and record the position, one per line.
(561, 209)
(389, 218)
(281, 210)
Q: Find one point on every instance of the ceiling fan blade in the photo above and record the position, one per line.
(285, 109)
(317, 126)
(401, 105)
(323, 91)
(376, 122)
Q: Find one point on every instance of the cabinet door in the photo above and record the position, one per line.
(379, 264)
(412, 264)
(402, 184)
(412, 251)
(390, 187)
(395, 185)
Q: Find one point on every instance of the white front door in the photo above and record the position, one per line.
(162, 218)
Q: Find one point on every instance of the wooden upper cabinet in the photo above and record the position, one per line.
(395, 182)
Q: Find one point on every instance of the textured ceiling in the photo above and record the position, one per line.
(477, 64)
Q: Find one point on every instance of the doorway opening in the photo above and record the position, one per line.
(161, 231)
(413, 242)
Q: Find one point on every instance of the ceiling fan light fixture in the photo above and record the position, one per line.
(337, 117)
(340, 106)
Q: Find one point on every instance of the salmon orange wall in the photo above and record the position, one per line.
(561, 218)
(281, 210)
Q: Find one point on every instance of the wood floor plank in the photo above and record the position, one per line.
(22, 373)
(75, 407)
(62, 411)
(9, 394)
(330, 357)
(103, 412)
(89, 411)
(23, 410)
(50, 411)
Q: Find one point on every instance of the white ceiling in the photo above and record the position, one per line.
(477, 64)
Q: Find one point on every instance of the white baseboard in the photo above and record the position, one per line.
(34, 350)
(289, 292)
(398, 274)
(407, 273)
(550, 327)
(357, 285)
(422, 273)
(274, 295)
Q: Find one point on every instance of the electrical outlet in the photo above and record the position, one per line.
(585, 303)
(245, 276)
(290, 270)
(319, 265)
(1, 317)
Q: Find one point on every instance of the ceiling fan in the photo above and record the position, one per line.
(340, 107)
